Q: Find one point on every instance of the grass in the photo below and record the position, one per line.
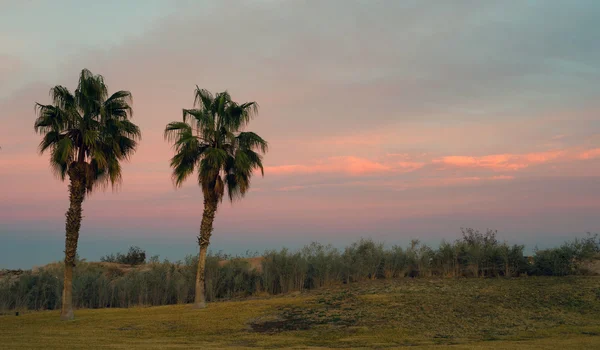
(526, 313)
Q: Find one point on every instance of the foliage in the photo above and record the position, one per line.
(87, 131)
(568, 258)
(135, 256)
(284, 271)
(210, 139)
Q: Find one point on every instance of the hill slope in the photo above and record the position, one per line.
(523, 313)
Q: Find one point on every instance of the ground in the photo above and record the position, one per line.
(522, 313)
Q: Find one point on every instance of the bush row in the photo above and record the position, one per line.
(476, 254)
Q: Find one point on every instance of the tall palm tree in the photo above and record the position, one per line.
(87, 133)
(210, 139)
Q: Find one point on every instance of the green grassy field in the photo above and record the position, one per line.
(527, 313)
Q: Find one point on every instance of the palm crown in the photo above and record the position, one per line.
(89, 131)
(210, 139)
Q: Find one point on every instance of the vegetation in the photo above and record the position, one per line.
(99, 285)
(476, 313)
(210, 139)
(135, 256)
(87, 133)
(568, 259)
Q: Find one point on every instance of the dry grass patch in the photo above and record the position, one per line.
(532, 313)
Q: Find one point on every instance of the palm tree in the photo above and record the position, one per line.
(87, 133)
(210, 140)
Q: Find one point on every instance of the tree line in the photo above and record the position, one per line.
(476, 255)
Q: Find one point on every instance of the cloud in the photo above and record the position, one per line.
(590, 154)
(347, 165)
(500, 162)
(395, 164)
(357, 98)
(502, 177)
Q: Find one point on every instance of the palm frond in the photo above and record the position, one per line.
(237, 116)
(117, 106)
(62, 97)
(189, 151)
(251, 141)
(121, 95)
(254, 161)
(203, 98)
(126, 147)
(221, 103)
(124, 128)
(224, 157)
(50, 139)
(183, 164)
(88, 130)
(203, 121)
(173, 130)
(90, 93)
(214, 157)
(49, 118)
(61, 156)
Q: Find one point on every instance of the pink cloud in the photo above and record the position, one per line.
(502, 177)
(398, 163)
(410, 166)
(589, 154)
(498, 162)
(348, 165)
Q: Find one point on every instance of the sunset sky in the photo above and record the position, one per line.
(386, 119)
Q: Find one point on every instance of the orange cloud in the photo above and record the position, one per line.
(502, 177)
(500, 162)
(410, 166)
(348, 165)
(589, 154)
(395, 163)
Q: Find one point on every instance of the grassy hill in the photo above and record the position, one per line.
(527, 313)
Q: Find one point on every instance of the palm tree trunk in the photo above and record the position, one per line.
(206, 228)
(73, 223)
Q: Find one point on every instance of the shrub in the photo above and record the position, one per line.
(315, 265)
(135, 256)
(566, 259)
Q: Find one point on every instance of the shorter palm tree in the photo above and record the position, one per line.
(210, 140)
(88, 134)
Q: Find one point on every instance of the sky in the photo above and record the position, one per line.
(391, 120)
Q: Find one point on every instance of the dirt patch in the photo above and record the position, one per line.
(340, 309)
(282, 325)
